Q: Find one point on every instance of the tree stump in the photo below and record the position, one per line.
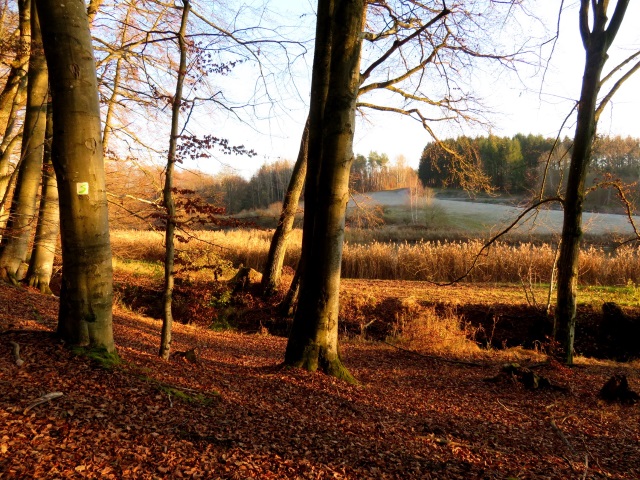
(616, 389)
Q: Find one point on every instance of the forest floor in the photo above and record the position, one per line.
(235, 413)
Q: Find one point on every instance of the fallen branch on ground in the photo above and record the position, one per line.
(16, 353)
(43, 399)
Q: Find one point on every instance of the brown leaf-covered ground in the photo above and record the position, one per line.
(236, 414)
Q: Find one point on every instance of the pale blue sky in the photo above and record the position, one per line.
(518, 103)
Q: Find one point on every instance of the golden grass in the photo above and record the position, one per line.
(423, 328)
(423, 260)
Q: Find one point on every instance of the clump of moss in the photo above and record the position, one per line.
(100, 356)
(195, 398)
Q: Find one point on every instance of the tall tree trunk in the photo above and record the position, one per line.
(18, 72)
(278, 248)
(22, 215)
(85, 316)
(596, 43)
(44, 245)
(313, 342)
(167, 318)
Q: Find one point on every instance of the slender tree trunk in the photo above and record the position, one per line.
(22, 215)
(313, 342)
(92, 10)
(85, 316)
(573, 207)
(8, 193)
(273, 269)
(287, 306)
(596, 40)
(5, 178)
(167, 319)
(108, 119)
(18, 72)
(44, 245)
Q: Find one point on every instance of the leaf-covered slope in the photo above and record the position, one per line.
(235, 414)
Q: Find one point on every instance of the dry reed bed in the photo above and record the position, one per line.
(432, 261)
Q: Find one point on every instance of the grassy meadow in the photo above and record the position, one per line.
(398, 242)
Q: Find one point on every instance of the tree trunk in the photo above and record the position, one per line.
(23, 206)
(85, 316)
(287, 306)
(18, 72)
(273, 269)
(596, 43)
(111, 104)
(5, 178)
(8, 184)
(92, 10)
(167, 319)
(313, 342)
(44, 245)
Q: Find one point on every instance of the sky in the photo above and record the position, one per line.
(535, 99)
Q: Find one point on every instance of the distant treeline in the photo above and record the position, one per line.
(269, 184)
(518, 164)
(512, 165)
(232, 191)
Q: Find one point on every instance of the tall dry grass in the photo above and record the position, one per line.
(423, 260)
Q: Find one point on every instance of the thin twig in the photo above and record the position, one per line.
(562, 436)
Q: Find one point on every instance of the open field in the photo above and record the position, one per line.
(481, 217)
(419, 260)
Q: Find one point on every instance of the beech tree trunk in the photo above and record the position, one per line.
(44, 245)
(6, 176)
(22, 214)
(596, 41)
(17, 76)
(278, 248)
(167, 319)
(85, 316)
(313, 342)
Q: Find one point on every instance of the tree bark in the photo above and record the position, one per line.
(287, 306)
(596, 43)
(85, 316)
(5, 177)
(278, 248)
(169, 204)
(313, 342)
(44, 245)
(18, 72)
(15, 242)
